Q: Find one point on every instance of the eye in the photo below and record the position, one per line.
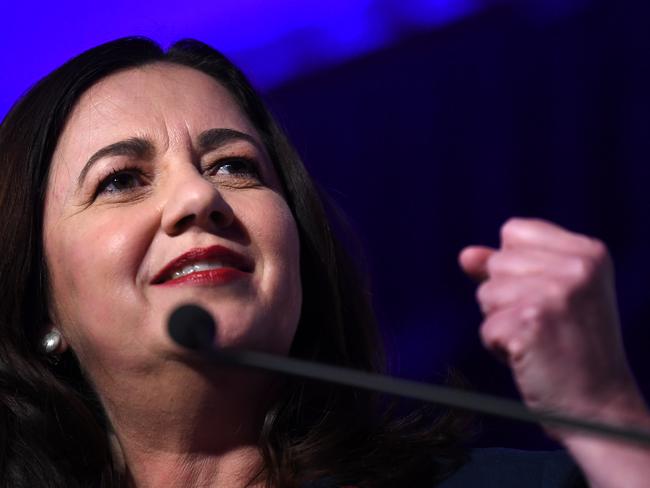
(238, 167)
(120, 181)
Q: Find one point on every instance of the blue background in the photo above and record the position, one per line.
(430, 123)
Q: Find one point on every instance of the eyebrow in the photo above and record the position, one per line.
(212, 139)
(141, 148)
(135, 147)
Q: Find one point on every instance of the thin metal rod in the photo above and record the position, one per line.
(485, 404)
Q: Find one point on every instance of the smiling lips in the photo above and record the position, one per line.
(215, 265)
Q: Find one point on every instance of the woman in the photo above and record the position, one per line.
(135, 181)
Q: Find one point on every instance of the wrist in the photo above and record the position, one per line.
(607, 462)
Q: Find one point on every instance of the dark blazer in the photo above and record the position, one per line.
(511, 468)
(506, 468)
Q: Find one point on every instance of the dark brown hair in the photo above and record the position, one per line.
(54, 433)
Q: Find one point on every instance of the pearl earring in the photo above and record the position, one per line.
(51, 341)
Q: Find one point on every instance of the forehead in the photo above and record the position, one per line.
(167, 103)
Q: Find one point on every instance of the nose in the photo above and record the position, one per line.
(193, 200)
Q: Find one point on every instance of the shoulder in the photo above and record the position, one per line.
(504, 468)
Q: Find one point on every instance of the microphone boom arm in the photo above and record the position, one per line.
(450, 397)
(192, 327)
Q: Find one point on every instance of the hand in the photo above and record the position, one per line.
(550, 312)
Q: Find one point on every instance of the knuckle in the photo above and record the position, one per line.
(494, 262)
(483, 297)
(601, 256)
(598, 250)
(511, 227)
(554, 291)
(584, 270)
(516, 348)
(533, 320)
(533, 314)
(584, 266)
(499, 336)
(489, 333)
(483, 291)
(553, 299)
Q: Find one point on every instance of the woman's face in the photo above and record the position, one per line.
(161, 193)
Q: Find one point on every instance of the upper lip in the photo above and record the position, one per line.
(216, 253)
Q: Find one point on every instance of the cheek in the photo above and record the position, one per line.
(275, 236)
(280, 245)
(93, 263)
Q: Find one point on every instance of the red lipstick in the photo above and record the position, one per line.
(234, 266)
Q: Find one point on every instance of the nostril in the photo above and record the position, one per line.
(184, 222)
(220, 219)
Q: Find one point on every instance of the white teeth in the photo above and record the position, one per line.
(193, 268)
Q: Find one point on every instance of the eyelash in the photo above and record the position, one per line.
(115, 172)
(249, 171)
(250, 166)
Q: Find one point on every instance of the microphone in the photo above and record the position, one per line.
(193, 327)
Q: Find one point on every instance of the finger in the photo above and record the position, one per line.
(531, 262)
(536, 233)
(473, 260)
(509, 332)
(500, 293)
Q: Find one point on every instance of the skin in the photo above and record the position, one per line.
(550, 313)
(107, 238)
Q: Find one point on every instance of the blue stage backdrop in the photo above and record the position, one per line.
(273, 40)
(429, 123)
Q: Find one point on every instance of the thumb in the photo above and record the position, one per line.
(473, 260)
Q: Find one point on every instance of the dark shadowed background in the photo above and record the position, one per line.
(433, 143)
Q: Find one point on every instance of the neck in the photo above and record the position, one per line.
(189, 428)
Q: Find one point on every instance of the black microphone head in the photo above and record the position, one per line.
(192, 327)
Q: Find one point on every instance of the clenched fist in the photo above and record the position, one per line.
(550, 311)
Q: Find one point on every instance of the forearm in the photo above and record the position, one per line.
(614, 464)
